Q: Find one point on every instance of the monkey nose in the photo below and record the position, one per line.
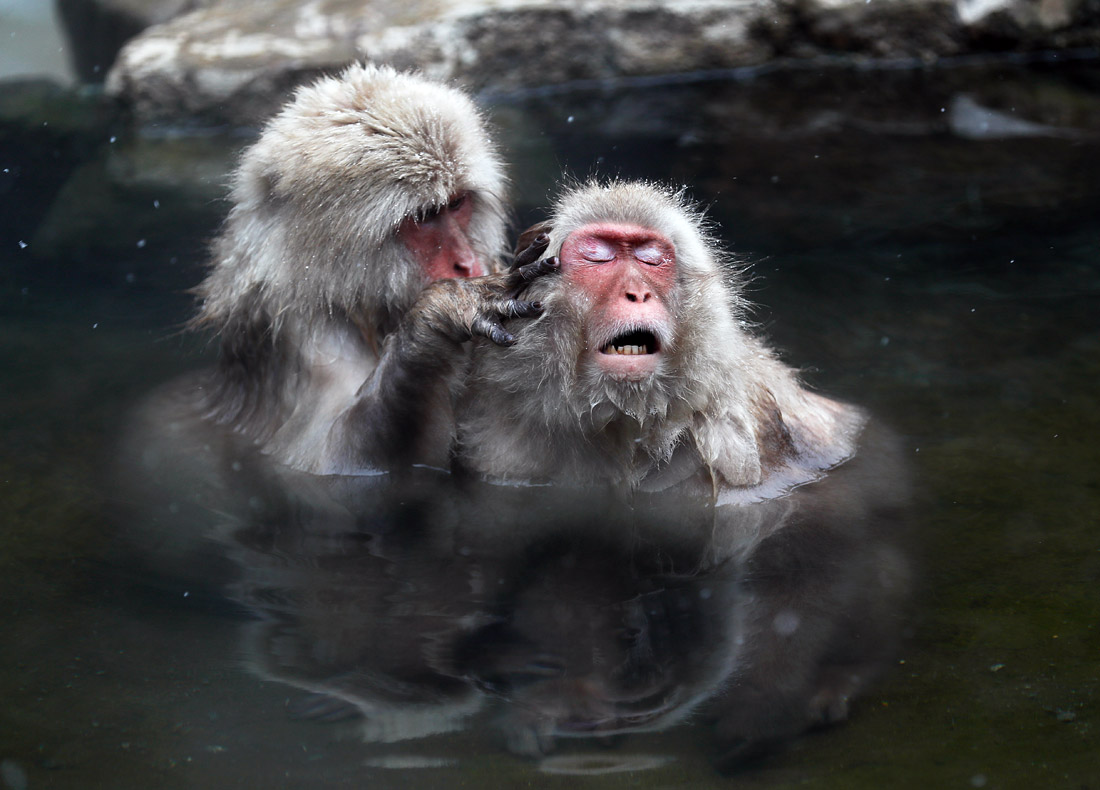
(468, 267)
(638, 295)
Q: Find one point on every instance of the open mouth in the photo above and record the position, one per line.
(638, 342)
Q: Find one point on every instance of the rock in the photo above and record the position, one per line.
(924, 29)
(1041, 16)
(235, 61)
(97, 29)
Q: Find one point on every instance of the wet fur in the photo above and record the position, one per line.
(308, 276)
(530, 412)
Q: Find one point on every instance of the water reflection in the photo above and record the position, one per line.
(421, 604)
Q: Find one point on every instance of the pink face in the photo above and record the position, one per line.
(438, 240)
(628, 273)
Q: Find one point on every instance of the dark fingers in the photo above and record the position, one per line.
(486, 327)
(533, 251)
(517, 308)
(529, 245)
(525, 274)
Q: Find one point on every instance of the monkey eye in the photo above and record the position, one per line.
(650, 253)
(430, 213)
(457, 201)
(596, 250)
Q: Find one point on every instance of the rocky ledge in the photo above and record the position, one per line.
(234, 61)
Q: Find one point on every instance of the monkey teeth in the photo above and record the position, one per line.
(635, 342)
(626, 350)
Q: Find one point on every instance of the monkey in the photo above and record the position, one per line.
(367, 186)
(640, 370)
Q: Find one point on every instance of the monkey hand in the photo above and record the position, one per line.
(464, 308)
(525, 269)
(531, 244)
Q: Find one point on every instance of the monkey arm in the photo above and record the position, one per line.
(401, 414)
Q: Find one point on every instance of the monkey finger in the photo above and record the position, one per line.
(509, 307)
(518, 308)
(528, 237)
(486, 327)
(522, 276)
(532, 252)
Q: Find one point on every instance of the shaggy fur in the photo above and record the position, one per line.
(308, 276)
(535, 411)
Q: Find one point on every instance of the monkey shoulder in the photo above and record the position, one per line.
(789, 443)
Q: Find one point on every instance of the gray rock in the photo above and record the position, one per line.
(969, 119)
(1034, 17)
(924, 29)
(235, 61)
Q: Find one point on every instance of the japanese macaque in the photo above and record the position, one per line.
(640, 371)
(366, 187)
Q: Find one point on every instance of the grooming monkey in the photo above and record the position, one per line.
(363, 189)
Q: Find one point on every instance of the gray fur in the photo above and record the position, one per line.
(308, 276)
(531, 412)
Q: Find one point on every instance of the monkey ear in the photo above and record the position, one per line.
(527, 238)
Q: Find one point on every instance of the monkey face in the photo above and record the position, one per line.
(438, 240)
(626, 276)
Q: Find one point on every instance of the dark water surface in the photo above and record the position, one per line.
(925, 243)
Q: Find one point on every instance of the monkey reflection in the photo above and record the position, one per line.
(594, 640)
(366, 187)
(423, 611)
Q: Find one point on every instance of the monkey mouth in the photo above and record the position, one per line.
(638, 342)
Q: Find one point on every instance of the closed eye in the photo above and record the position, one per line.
(596, 251)
(650, 253)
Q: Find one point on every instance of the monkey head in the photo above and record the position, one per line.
(361, 190)
(614, 341)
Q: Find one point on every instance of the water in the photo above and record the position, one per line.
(913, 250)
